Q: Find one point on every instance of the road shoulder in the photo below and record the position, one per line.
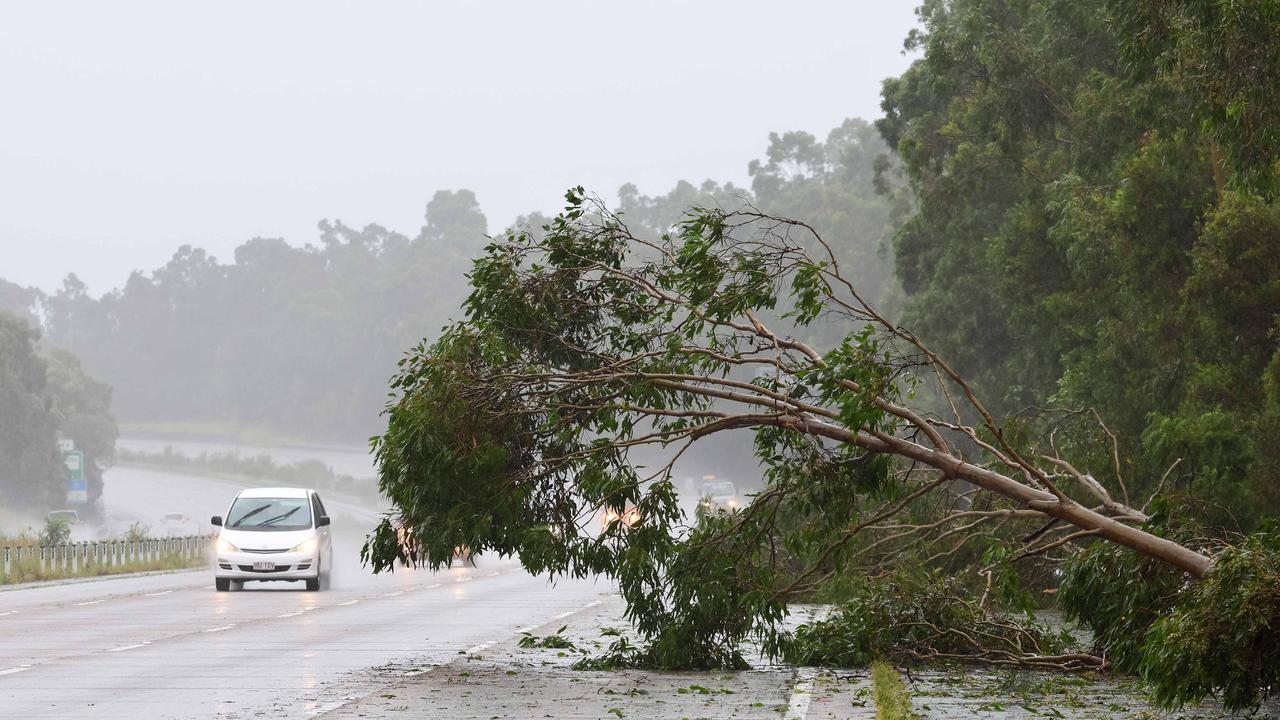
(502, 679)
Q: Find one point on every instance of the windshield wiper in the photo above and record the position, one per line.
(246, 516)
(281, 516)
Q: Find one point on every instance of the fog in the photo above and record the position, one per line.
(132, 128)
(223, 228)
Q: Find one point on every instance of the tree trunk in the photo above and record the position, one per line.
(1196, 564)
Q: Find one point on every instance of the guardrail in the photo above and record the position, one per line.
(74, 559)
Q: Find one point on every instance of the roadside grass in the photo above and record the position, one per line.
(893, 701)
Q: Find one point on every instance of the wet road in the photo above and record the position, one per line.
(168, 646)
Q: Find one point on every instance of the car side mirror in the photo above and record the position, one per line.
(324, 520)
(216, 520)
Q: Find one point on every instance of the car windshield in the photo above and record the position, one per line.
(266, 513)
(719, 489)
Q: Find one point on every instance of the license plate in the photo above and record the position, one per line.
(264, 566)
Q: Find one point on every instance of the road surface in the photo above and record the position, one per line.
(168, 646)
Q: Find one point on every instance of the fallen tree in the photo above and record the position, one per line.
(586, 347)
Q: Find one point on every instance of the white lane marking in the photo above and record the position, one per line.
(6, 613)
(463, 579)
(158, 594)
(592, 604)
(564, 615)
(801, 694)
(220, 628)
(328, 707)
(481, 647)
(802, 691)
(89, 602)
(397, 593)
(135, 646)
(495, 573)
(433, 587)
(292, 614)
(13, 670)
(349, 602)
(526, 629)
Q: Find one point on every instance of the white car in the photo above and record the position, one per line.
(177, 525)
(273, 534)
(720, 496)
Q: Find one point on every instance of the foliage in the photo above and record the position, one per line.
(1080, 239)
(1188, 640)
(33, 474)
(56, 531)
(1221, 637)
(472, 462)
(912, 617)
(1226, 53)
(83, 406)
(591, 359)
(137, 532)
(1117, 596)
(554, 641)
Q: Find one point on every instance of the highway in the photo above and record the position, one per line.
(169, 646)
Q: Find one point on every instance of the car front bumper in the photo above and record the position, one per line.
(288, 566)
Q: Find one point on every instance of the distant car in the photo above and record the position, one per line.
(720, 496)
(70, 516)
(273, 534)
(178, 525)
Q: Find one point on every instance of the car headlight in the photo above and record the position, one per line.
(225, 546)
(306, 546)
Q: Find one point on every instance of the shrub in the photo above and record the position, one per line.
(1222, 636)
(57, 531)
(915, 617)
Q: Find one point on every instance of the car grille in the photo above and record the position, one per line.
(265, 552)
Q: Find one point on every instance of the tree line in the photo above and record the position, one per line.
(300, 341)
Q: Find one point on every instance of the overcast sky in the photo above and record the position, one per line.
(129, 128)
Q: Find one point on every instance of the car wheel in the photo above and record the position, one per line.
(313, 584)
(222, 584)
(237, 584)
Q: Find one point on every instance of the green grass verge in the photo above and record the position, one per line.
(893, 701)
